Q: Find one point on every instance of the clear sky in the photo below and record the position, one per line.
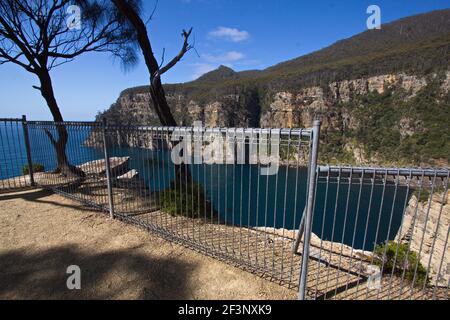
(242, 34)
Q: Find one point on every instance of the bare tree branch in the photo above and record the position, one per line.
(155, 70)
(153, 13)
(185, 48)
(162, 57)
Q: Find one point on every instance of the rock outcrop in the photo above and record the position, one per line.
(118, 165)
(425, 227)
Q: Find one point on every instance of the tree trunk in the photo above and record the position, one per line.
(63, 165)
(166, 118)
(160, 103)
(156, 89)
(182, 173)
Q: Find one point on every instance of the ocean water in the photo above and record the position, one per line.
(348, 213)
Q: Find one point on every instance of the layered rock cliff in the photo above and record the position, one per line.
(286, 109)
(344, 107)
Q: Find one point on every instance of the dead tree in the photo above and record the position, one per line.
(130, 9)
(39, 35)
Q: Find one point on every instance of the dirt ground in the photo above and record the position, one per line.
(41, 234)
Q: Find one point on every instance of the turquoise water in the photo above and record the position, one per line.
(238, 192)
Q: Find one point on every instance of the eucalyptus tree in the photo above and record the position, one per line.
(40, 35)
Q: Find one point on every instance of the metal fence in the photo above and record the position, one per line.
(240, 208)
(227, 210)
(380, 233)
(14, 155)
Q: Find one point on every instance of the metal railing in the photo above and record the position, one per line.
(381, 232)
(15, 155)
(365, 233)
(227, 210)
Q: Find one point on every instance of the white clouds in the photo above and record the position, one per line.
(231, 34)
(211, 61)
(230, 56)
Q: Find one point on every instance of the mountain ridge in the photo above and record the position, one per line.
(436, 23)
(401, 66)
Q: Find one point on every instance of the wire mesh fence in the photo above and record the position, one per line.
(13, 152)
(383, 233)
(225, 208)
(242, 195)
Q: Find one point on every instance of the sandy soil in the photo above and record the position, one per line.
(41, 234)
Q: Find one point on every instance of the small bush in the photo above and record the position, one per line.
(37, 167)
(422, 195)
(425, 193)
(188, 201)
(402, 264)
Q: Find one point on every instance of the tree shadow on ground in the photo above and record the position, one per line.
(37, 195)
(107, 275)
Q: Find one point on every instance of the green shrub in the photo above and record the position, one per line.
(425, 193)
(402, 264)
(37, 167)
(423, 196)
(188, 201)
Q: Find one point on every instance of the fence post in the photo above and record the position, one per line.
(309, 210)
(28, 150)
(299, 236)
(108, 171)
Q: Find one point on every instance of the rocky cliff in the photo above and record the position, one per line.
(290, 109)
(286, 109)
(383, 95)
(344, 107)
(425, 228)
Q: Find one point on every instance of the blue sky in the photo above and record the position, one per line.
(242, 34)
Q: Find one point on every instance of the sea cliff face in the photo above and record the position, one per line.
(344, 107)
(290, 109)
(287, 109)
(231, 110)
